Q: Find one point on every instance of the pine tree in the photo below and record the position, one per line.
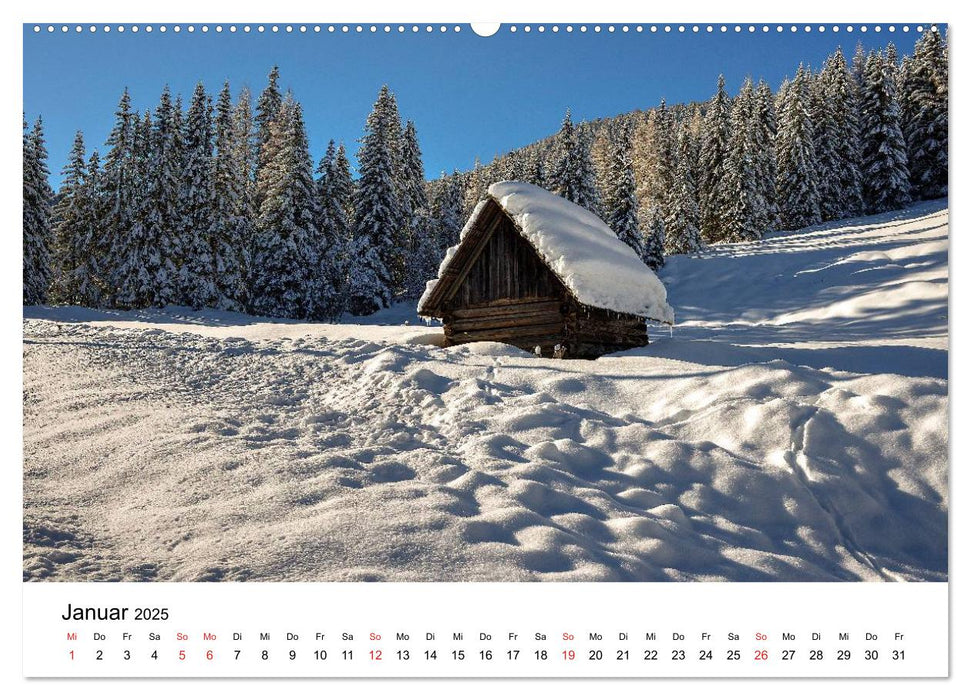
(335, 191)
(395, 258)
(924, 115)
(163, 191)
(70, 227)
(475, 188)
(36, 216)
(620, 202)
(229, 232)
(285, 266)
(572, 177)
(747, 207)
(76, 236)
(601, 155)
(137, 257)
(886, 179)
(713, 187)
(682, 232)
(826, 145)
(858, 68)
(99, 242)
(838, 127)
(644, 158)
(267, 110)
(537, 174)
(377, 215)
(117, 186)
(653, 254)
(244, 161)
(447, 216)
(665, 165)
(198, 285)
(422, 258)
(893, 65)
(765, 157)
(798, 187)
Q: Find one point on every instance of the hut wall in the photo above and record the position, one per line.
(509, 295)
(593, 332)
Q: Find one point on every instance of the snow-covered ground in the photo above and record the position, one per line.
(793, 426)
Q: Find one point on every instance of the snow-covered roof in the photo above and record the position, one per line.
(595, 266)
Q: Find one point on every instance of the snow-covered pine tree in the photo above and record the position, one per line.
(842, 193)
(422, 259)
(335, 190)
(244, 140)
(163, 191)
(99, 243)
(747, 208)
(714, 186)
(826, 145)
(117, 191)
(924, 115)
(329, 248)
(665, 165)
(858, 67)
(475, 188)
(537, 174)
(79, 244)
(644, 154)
(137, 254)
(765, 158)
(620, 200)
(229, 231)
(601, 156)
(377, 214)
(798, 187)
(395, 259)
(447, 215)
(572, 176)
(70, 228)
(37, 217)
(893, 66)
(267, 110)
(198, 286)
(521, 168)
(653, 253)
(342, 196)
(682, 233)
(284, 275)
(886, 178)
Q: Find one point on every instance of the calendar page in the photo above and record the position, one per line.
(514, 350)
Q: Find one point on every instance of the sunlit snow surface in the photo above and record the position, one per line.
(792, 427)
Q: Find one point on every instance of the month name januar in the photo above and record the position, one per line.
(76, 613)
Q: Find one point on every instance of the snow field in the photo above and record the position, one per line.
(794, 427)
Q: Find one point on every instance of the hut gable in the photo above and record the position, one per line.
(533, 269)
(507, 267)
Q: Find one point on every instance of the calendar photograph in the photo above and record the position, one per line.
(529, 303)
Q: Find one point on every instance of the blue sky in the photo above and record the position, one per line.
(468, 95)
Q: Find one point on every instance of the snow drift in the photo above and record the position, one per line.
(793, 428)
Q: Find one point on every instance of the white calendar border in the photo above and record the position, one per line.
(440, 10)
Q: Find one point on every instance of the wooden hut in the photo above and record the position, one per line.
(535, 270)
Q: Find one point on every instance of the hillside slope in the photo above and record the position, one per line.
(792, 426)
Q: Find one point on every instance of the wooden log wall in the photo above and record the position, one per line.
(507, 268)
(509, 295)
(523, 323)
